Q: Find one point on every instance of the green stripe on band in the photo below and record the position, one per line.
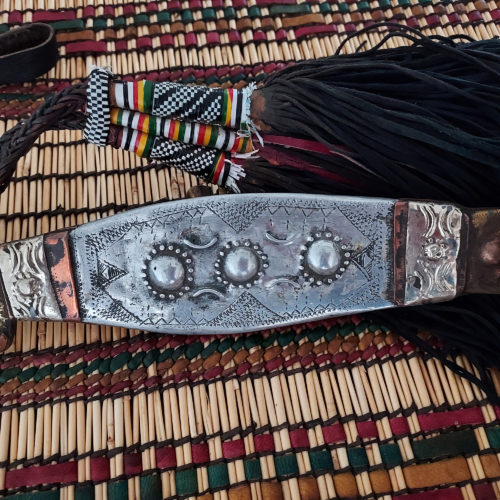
(148, 96)
(182, 131)
(243, 147)
(149, 145)
(213, 136)
(152, 125)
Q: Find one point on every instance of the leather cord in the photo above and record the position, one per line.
(27, 52)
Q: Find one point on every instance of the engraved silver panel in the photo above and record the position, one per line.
(211, 286)
(432, 246)
(27, 280)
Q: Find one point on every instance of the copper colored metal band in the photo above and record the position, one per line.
(400, 229)
(58, 257)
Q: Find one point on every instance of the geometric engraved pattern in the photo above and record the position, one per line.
(246, 308)
(111, 262)
(107, 272)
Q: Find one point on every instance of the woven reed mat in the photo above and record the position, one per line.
(342, 409)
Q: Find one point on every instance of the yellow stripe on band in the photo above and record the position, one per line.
(207, 136)
(177, 127)
(145, 125)
(114, 116)
(142, 144)
(140, 95)
(228, 107)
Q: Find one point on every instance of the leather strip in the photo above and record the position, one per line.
(27, 52)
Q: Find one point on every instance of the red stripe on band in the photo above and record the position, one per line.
(171, 129)
(136, 95)
(230, 93)
(201, 133)
(140, 122)
(137, 141)
(218, 168)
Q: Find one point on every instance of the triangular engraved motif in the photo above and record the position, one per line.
(195, 212)
(239, 217)
(173, 321)
(245, 311)
(327, 211)
(306, 310)
(308, 211)
(162, 321)
(106, 272)
(364, 260)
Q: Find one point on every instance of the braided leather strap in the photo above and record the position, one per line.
(59, 112)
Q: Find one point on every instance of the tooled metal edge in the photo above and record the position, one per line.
(27, 280)
(436, 233)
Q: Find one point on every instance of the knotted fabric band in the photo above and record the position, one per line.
(212, 165)
(225, 107)
(97, 126)
(199, 134)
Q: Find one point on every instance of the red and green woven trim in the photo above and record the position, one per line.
(210, 164)
(198, 134)
(188, 103)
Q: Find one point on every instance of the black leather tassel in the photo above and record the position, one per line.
(423, 118)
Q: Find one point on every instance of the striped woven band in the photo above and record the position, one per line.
(226, 107)
(190, 133)
(207, 163)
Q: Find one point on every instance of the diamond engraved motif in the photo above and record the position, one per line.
(237, 263)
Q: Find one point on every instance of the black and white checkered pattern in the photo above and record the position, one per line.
(187, 102)
(196, 160)
(97, 126)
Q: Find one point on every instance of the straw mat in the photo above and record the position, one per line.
(341, 409)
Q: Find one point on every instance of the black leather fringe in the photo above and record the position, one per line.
(421, 119)
(468, 325)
